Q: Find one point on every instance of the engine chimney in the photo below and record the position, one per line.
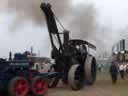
(10, 56)
(66, 36)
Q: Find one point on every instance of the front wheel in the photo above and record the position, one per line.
(90, 70)
(76, 77)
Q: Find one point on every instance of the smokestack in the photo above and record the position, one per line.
(122, 45)
(66, 36)
(10, 56)
(31, 50)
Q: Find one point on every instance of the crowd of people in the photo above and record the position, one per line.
(118, 68)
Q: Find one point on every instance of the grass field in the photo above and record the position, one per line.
(103, 87)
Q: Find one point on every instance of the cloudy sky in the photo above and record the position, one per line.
(22, 23)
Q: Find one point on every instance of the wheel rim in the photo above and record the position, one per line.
(40, 86)
(21, 88)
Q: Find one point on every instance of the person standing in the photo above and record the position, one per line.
(113, 72)
(121, 69)
(99, 67)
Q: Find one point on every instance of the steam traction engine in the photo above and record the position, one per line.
(72, 59)
(18, 79)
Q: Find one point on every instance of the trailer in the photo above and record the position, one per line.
(72, 59)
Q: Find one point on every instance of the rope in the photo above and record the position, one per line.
(57, 19)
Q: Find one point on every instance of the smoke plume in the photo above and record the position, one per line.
(28, 20)
(27, 9)
(83, 22)
(83, 17)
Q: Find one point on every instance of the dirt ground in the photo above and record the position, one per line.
(103, 87)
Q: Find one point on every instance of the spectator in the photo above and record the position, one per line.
(121, 69)
(113, 72)
(99, 67)
(127, 69)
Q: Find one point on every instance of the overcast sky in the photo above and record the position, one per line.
(18, 34)
(112, 12)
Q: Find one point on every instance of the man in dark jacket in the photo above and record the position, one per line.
(113, 72)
